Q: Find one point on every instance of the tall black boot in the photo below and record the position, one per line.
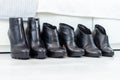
(84, 39)
(37, 49)
(19, 46)
(101, 41)
(66, 33)
(51, 39)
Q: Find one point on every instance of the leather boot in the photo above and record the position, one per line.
(84, 39)
(101, 41)
(66, 33)
(19, 46)
(52, 43)
(37, 49)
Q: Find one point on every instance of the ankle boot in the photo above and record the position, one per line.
(66, 33)
(101, 41)
(52, 43)
(37, 49)
(84, 39)
(19, 46)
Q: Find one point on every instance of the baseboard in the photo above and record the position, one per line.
(5, 48)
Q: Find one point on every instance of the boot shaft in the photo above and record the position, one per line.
(50, 35)
(100, 36)
(16, 31)
(66, 31)
(67, 35)
(33, 33)
(84, 36)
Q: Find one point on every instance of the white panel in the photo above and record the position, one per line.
(4, 41)
(71, 20)
(89, 8)
(112, 27)
(69, 7)
(4, 25)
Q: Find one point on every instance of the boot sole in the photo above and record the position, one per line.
(108, 55)
(20, 55)
(38, 55)
(93, 55)
(56, 55)
(75, 55)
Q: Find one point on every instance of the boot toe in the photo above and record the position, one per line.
(108, 53)
(76, 52)
(93, 53)
(56, 53)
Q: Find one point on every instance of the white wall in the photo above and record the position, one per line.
(89, 8)
(71, 20)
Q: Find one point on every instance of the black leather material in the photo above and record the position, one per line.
(51, 39)
(19, 46)
(84, 39)
(101, 41)
(37, 49)
(66, 33)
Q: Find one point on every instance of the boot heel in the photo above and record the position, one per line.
(56, 55)
(40, 56)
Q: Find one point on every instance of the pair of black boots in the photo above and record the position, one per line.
(57, 43)
(25, 46)
(94, 43)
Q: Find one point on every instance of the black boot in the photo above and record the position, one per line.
(66, 33)
(19, 47)
(51, 39)
(37, 49)
(101, 41)
(84, 39)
